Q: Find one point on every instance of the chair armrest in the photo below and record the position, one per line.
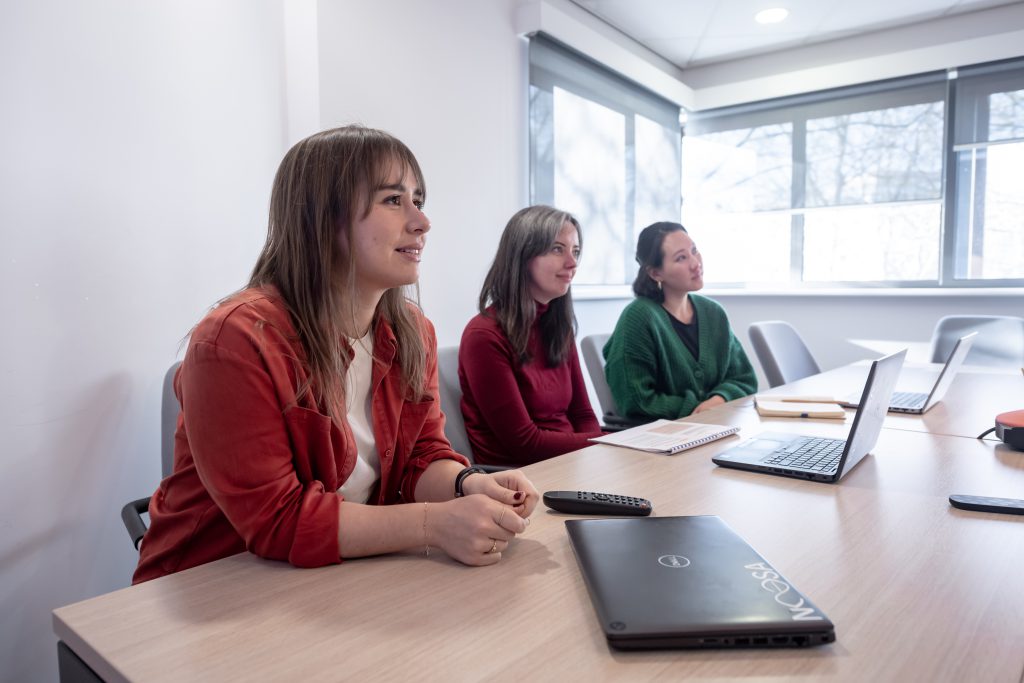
(131, 515)
(616, 423)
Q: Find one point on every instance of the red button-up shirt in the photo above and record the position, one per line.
(257, 469)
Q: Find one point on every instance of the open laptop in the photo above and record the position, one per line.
(918, 403)
(819, 458)
(668, 582)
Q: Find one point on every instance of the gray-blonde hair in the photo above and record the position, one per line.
(530, 233)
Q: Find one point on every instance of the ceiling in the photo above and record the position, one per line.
(691, 33)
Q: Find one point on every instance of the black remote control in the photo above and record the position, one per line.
(590, 503)
(1007, 506)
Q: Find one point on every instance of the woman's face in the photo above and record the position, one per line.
(388, 242)
(552, 272)
(682, 266)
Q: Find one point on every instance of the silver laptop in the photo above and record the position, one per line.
(819, 458)
(918, 403)
(667, 582)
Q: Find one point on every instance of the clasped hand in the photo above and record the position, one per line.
(477, 528)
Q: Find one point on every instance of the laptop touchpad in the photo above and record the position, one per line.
(764, 445)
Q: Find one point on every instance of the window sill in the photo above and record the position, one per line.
(599, 292)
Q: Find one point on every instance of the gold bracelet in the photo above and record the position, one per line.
(426, 546)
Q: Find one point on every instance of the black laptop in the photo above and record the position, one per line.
(819, 458)
(919, 403)
(689, 582)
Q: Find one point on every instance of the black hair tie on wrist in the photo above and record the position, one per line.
(461, 476)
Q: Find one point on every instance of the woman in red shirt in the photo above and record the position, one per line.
(523, 396)
(310, 428)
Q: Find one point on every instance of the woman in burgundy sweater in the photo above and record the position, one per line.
(523, 395)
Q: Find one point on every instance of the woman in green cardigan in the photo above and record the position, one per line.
(672, 352)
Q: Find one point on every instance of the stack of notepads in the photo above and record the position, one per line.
(798, 406)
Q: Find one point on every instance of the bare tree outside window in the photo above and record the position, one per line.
(907, 182)
(860, 193)
(735, 183)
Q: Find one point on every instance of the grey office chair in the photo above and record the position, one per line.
(451, 399)
(451, 405)
(593, 358)
(131, 514)
(781, 351)
(1000, 339)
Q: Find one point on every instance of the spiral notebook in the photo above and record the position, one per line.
(666, 436)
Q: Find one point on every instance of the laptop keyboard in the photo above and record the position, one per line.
(907, 399)
(815, 454)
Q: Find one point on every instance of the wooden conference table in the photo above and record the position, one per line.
(917, 590)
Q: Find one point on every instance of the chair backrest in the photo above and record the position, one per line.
(169, 410)
(451, 399)
(592, 346)
(1000, 339)
(131, 513)
(781, 351)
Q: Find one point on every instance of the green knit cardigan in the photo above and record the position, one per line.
(653, 375)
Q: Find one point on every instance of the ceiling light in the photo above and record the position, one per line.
(771, 16)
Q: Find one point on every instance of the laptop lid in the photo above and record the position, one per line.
(949, 370)
(939, 387)
(660, 582)
(755, 453)
(873, 407)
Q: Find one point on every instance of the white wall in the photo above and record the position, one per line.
(139, 141)
(449, 79)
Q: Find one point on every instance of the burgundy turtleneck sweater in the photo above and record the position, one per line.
(520, 413)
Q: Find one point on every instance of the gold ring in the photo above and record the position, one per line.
(494, 546)
(501, 515)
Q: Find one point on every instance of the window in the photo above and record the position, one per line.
(603, 149)
(852, 187)
(988, 148)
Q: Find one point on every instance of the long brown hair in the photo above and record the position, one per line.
(321, 186)
(531, 232)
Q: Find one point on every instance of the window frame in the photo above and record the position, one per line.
(978, 80)
(588, 79)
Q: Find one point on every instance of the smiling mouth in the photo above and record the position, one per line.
(410, 251)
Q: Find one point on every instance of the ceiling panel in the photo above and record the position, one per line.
(643, 20)
(675, 50)
(873, 15)
(736, 18)
(693, 32)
